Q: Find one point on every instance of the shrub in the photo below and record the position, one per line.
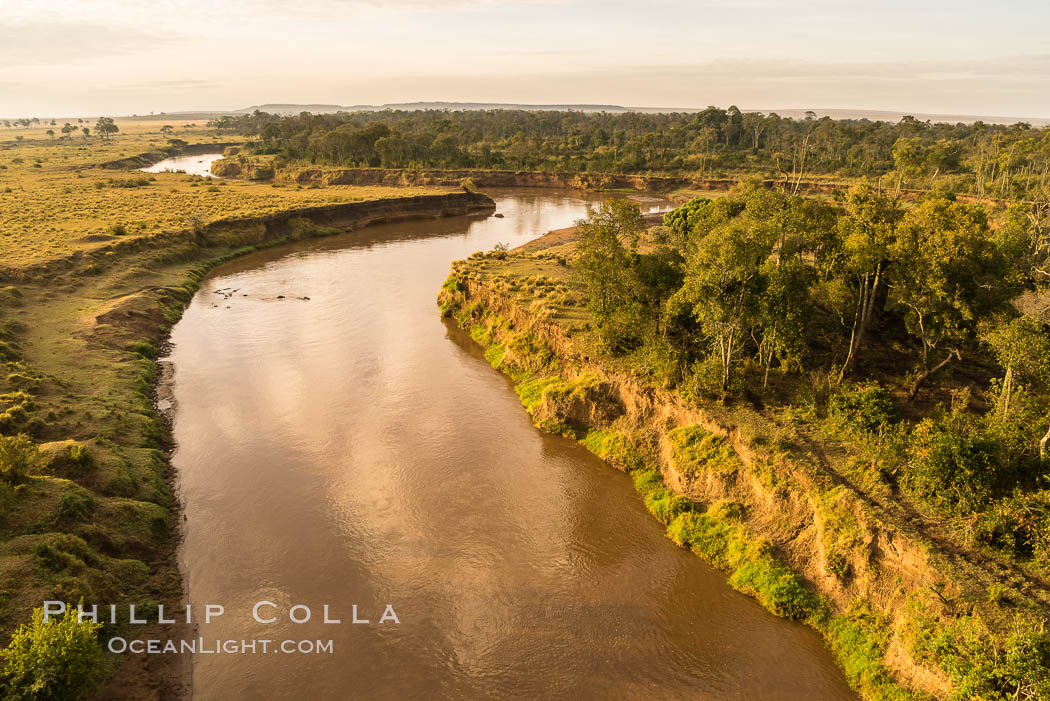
(1017, 666)
(59, 660)
(80, 455)
(144, 348)
(952, 465)
(19, 456)
(862, 409)
(76, 504)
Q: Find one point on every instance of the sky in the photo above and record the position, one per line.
(119, 57)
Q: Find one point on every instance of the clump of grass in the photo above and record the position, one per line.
(144, 348)
(618, 448)
(753, 566)
(858, 639)
(695, 449)
(19, 457)
(76, 504)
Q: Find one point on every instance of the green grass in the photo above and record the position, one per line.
(70, 205)
(694, 449)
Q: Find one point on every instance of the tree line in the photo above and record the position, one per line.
(986, 160)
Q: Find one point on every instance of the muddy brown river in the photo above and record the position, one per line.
(340, 444)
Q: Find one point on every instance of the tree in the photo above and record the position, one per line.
(1022, 348)
(754, 123)
(67, 129)
(783, 314)
(909, 159)
(106, 127)
(603, 264)
(51, 133)
(60, 659)
(941, 275)
(865, 234)
(722, 284)
(87, 132)
(167, 129)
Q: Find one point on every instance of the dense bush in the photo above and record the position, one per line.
(19, 456)
(982, 667)
(863, 409)
(953, 465)
(60, 660)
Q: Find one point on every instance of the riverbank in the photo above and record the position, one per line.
(907, 612)
(83, 314)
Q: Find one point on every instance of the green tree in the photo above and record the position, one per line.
(106, 127)
(722, 284)
(1022, 348)
(909, 159)
(941, 276)
(604, 264)
(783, 315)
(59, 660)
(865, 235)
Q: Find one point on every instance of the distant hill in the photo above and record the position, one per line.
(410, 106)
(893, 116)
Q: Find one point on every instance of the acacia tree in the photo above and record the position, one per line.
(105, 127)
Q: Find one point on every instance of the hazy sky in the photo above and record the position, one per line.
(72, 57)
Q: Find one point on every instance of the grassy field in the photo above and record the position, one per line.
(55, 201)
(93, 514)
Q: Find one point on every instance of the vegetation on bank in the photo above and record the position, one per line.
(885, 364)
(86, 507)
(985, 160)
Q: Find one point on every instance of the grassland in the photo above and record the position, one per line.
(56, 201)
(80, 328)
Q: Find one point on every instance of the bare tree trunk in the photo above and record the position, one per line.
(801, 165)
(865, 308)
(1004, 399)
(926, 373)
(1042, 446)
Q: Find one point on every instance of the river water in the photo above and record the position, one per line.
(199, 164)
(341, 444)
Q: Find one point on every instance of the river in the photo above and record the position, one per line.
(198, 164)
(340, 444)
